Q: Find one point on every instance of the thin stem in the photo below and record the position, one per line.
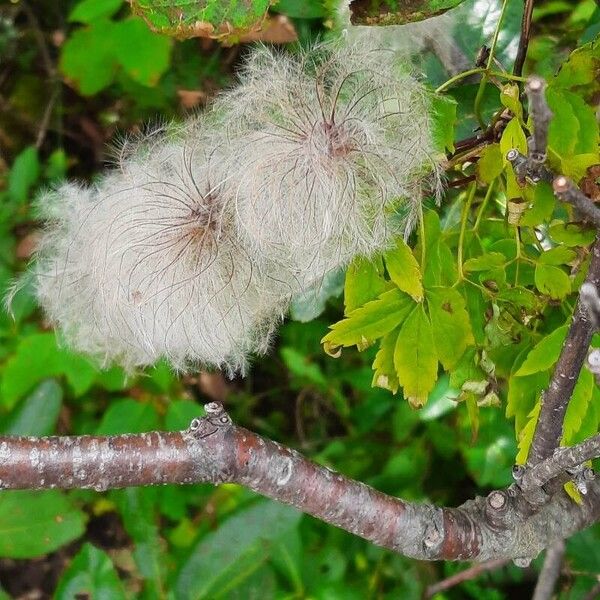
(486, 199)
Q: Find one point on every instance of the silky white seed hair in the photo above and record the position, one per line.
(329, 151)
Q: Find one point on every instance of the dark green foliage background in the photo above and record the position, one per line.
(84, 73)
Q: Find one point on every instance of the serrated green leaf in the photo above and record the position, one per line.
(490, 163)
(404, 271)
(485, 262)
(552, 281)
(450, 321)
(440, 264)
(415, 358)
(91, 574)
(88, 11)
(370, 322)
(525, 437)
(364, 282)
(384, 375)
(246, 539)
(578, 407)
(544, 354)
(557, 256)
(36, 523)
(581, 69)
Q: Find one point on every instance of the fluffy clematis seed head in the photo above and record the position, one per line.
(147, 264)
(329, 150)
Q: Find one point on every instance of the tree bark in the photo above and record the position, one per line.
(214, 450)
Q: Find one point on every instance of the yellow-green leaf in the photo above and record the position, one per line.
(513, 137)
(369, 322)
(490, 163)
(415, 357)
(450, 321)
(544, 354)
(525, 437)
(509, 96)
(364, 282)
(384, 375)
(552, 281)
(578, 407)
(404, 271)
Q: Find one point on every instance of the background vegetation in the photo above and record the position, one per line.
(74, 76)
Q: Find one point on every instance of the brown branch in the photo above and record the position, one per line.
(555, 398)
(541, 116)
(524, 39)
(563, 460)
(466, 575)
(567, 191)
(214, 450)
(550, 571)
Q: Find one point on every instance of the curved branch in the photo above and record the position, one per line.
(214, 450)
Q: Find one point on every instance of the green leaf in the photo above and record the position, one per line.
(450, 321)
(91, 574)
(571, 234)
(581, 69)
(144, 55)
(523, 392)
(36, 523)
(38, 357)
(578, 407)
(557, 256)
(37, 414)
(485, 262)
(206, 18)
(88, 57)
(23, 174)
(404, 271)
(180, 414)
(364, 282)
(88, 11)
(311, 303)
(370, 322)
(440, 264)
(509, 96)
(244, 540)
(525, 437)
(490, 163)
(444, 121)
(542, 207)
(552, 281)
(384, 375)
(564, 126)
(137, 507)
(384, 12)
(545, 353)
(513, 137)
(128, 416)
(415, 357)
